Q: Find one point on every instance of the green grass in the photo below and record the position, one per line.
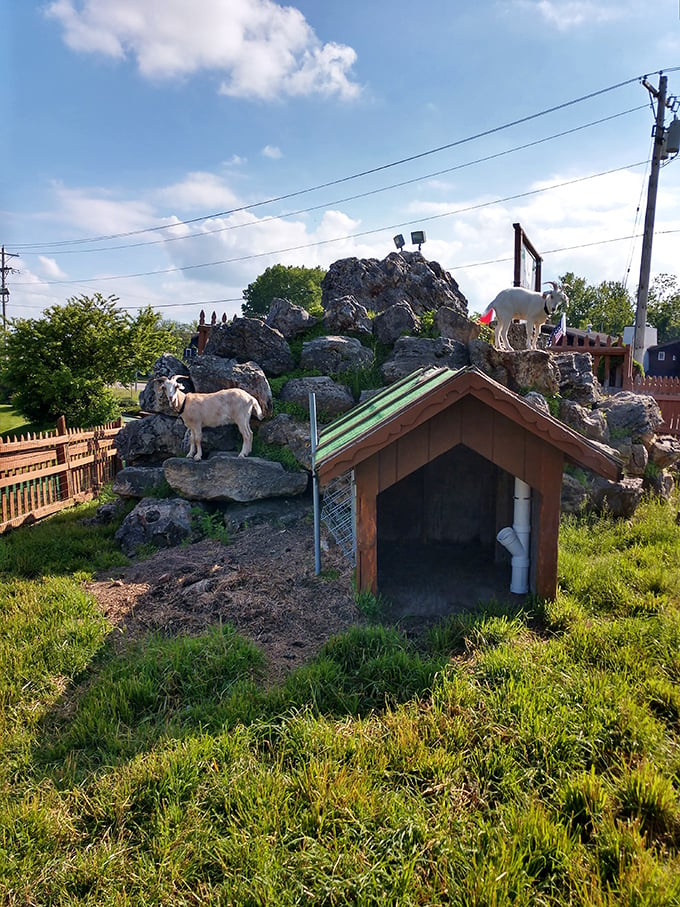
(13, 423)
(508, 757)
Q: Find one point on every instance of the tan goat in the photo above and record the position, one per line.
(225, 407)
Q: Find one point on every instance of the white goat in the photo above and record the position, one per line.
(225, 407)
(526, 305)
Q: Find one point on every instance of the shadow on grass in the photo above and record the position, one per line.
(163, 688)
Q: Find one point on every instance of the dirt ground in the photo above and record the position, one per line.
(263, 583)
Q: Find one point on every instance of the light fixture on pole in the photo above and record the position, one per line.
(399, 242)
(418, 238)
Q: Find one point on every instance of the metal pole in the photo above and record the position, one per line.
(314, 437)
(648, 236)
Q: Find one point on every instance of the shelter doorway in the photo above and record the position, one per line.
(437, 549)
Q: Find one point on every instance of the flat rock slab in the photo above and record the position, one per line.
(227, 477)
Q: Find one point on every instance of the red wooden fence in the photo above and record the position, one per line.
(41, 474)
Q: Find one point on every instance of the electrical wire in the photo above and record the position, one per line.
(359, 235)
(350, 198)
(379, 169)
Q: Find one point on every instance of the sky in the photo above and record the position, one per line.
(167, 152)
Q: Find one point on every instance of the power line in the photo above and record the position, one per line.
(336, 182)
(350, 198)
(358, 235)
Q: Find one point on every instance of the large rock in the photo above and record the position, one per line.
(289, 319)
(634, 416)
(150, 440)
(153, 399)
(664, 451)
(225, 477)
(346, 315)
(574, 498)
(397, 321)
(331, 398)
(411, 353)
(138, 481)
(455, 326)
(213, 373)
(519, 371)
(161, 523)
(334, 355)
(619, 499)
(247, 339)
(400, 277)
(589, 423)
(290, 433)
(577, 382)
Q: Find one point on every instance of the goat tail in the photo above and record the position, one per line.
(257, 409)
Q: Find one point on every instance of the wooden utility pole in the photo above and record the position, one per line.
(648, 235)
(4, 291)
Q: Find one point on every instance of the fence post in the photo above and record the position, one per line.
(64, 458)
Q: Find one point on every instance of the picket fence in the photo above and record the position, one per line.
(43, 473)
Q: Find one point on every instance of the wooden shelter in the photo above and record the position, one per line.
(434, 456)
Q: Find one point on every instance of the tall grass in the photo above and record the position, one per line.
(510, 757)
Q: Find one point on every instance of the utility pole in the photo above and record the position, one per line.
(4, 290)
(648, 235)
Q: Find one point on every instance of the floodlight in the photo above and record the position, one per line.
(418, 238)
(399, 241)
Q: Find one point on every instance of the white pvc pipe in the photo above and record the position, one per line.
(516, 538)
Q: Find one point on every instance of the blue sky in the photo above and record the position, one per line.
(146, 142)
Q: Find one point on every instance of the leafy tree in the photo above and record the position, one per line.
(663, 307)
(299, 285)
(608, 306)
(62, 363)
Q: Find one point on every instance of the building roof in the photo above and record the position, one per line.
(408, 403)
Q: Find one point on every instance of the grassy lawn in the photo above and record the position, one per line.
(527, 758)
(13, 423)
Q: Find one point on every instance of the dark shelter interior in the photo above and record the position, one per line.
(437, 548)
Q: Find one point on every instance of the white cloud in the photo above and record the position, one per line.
(96, 211)
(198, 191)
(50, 268)
(259, 48)
(272, 152)
(567, 14)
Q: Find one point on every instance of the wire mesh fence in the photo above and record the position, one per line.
(337, 513)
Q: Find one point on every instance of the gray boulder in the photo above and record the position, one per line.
(331, 398)
(634, 416)
(150, 440)
(519, 371)
(664, 451)
(161, 523)
(213, 373)
(620, 499)
(334, 355)
(290, 433)
(589, 423)
(227, 477)
(138, 481)
(153, 399)
(346, 315)
(288, 319)
(452, 324)
(400, 277)
(576, 379)
(538, 401)
(411, 353)
(574, 498)
(395, 322)
(247, 339)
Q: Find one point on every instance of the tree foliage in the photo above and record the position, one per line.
(663, 307)
(299, 285)
(62, 363)
(607, 307)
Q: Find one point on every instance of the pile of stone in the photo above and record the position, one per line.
(368, 305)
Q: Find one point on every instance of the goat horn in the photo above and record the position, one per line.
(553, 284)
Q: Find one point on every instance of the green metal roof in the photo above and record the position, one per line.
(383, 406)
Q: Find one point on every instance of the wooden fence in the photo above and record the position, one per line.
(44, 473)
(666, 392)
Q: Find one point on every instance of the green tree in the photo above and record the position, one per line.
(663, 307)
(62, 363)
(299, 285)
(607, 307)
